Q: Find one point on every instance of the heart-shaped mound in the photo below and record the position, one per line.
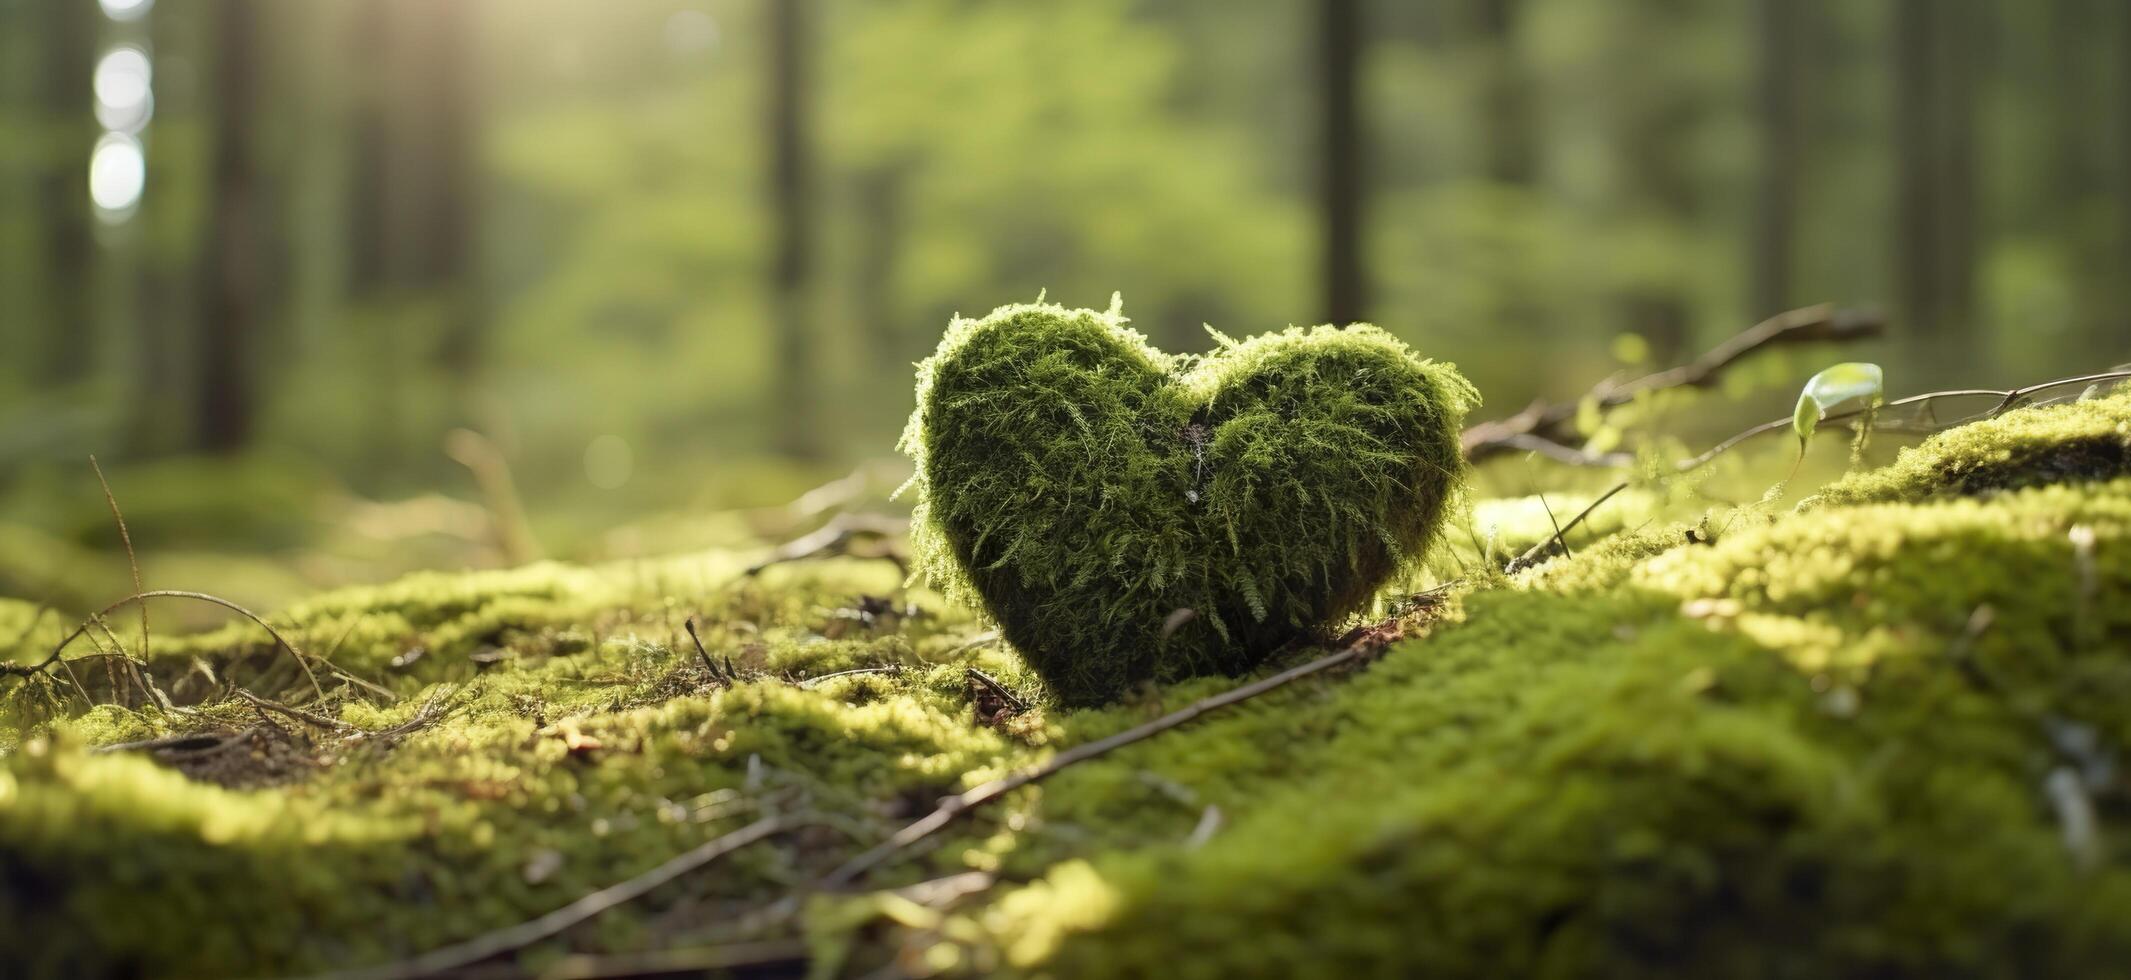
(1128, 515)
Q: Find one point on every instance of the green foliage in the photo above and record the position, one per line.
(1849, 381)
(1128, 515)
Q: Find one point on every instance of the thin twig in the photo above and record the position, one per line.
(836, 538)
(708, 664)
(309, 718)
(889, 669)
(21, 670)
(1532, 555)
(686, 960)
(458, 955)
(1550, 421)
(1004, 693)
(125, 538)
(955, 806)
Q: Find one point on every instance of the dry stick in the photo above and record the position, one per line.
(299, 714)
(708, 664)
(169, 594)
(855, 671)
(689, 960)
(1547, 420)
(462, 954)
(990, 683)
(955, 806)
(1542, 547)
(125, 538)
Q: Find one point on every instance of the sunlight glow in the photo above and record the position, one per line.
(690, 32)
(124, 100)
(126, 9)
(118, 172)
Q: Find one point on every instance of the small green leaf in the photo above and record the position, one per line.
(1853, 380)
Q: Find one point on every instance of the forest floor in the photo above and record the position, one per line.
(1880, 732)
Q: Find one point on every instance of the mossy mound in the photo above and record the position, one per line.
(1858, 739)
(1128, 516)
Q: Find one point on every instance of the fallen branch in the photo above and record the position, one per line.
(836, 538)
(724, 674)
(308, 718)
(1545, 423)
(895, 669)
(1532, 555)
(125, 538)
(955, 806)
(448, 959)
(22, 670)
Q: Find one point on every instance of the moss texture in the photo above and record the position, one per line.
(1877, 738)
(1127, 515)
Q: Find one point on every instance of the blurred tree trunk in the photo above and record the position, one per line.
(1656, 130)
(879, 193)
(1341, 175)
(1510, 156)
(1781, 100)
(370, 54)
(415, 200)
(63, 193)
(231, 292)
(446, 138)
(792, 189)
(1935, 64)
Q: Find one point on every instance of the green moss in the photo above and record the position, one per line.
(1836, 741)
(1693, 769)
(1086, 487)
(2088, 439)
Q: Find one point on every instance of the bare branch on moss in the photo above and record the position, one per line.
(125, 538)
(1540, 550)
(308, 718)
(955, 806)
(687, 960)
(839, 537)
(853, 672)
(722, 675)
(1552, 422)
(1009, 702)
(97, 618)
(448, 959)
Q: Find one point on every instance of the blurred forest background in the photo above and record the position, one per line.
(343, 288)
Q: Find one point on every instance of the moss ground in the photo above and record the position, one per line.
(1877, 734)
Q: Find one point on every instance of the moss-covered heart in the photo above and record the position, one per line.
(1129, 515)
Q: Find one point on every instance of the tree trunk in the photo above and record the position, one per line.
(791, 177)
(63, 195)
(1509, 155)
(369, 241)
(230, 290)
(445, 140)
(1781, 104)
(1342, 174)
(1934, 192)
(879, 193)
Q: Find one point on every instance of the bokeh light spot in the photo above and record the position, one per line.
(118, 172)
(126, 9)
